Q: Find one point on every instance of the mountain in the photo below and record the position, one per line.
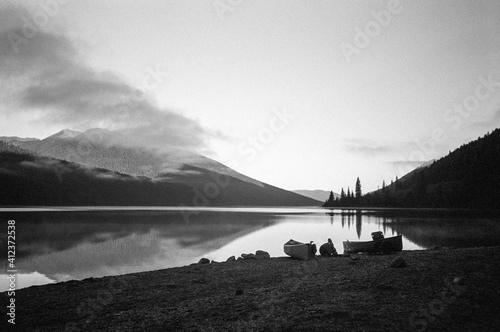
(407, 178)
(27, 178)
(468, 177)
(31, 180)
(111, 150)
(319, 195)
(96, 148)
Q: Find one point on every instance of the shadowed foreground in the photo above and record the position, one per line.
(439, 290)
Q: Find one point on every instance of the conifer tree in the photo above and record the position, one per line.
(330, 199)
(358, 188)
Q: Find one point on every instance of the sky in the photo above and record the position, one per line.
(299, 94)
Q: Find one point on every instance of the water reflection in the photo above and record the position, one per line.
(358, 224)
(448, 232)
(76, 245)
(55, 246)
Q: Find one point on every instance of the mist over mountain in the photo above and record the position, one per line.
(113, 151)
(93, 168)
(16, 140)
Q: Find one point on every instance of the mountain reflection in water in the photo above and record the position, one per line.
(64, 245)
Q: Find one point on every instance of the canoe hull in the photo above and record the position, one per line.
(390, 244)
(299, 250)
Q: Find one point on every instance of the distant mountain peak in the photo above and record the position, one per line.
(319, 195)
(65, 133)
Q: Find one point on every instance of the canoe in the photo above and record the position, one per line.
(299, 250)
(390, 244)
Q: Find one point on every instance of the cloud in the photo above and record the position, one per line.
(364, 147)
(47, 76)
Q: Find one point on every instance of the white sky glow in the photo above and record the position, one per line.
(365, 93)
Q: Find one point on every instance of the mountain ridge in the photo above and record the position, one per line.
(468, 177)
(106, 149)
(28, 177)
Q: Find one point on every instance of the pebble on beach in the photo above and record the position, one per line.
(261, 254)
(398, 262)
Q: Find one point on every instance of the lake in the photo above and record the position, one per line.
(60, 244)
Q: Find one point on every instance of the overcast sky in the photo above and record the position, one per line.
(298, 94)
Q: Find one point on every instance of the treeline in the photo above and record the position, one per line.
(26, 179)
(468, 177)
(7, 147)
(351, 198)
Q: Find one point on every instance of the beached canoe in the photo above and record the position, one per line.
(390, 244)
(299, 250)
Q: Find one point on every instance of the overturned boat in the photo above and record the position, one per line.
(379, 244)
(299, 250)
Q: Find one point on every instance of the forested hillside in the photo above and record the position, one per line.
(106, 149)
(27, 179)
(468, 177)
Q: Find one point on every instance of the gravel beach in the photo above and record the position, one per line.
(437, 290)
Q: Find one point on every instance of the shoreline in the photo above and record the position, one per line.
(454, 289)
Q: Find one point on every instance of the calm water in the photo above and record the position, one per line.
(54, 245)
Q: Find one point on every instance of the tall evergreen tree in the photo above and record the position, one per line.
(342, 194)
(330, 198)
(358, 188)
